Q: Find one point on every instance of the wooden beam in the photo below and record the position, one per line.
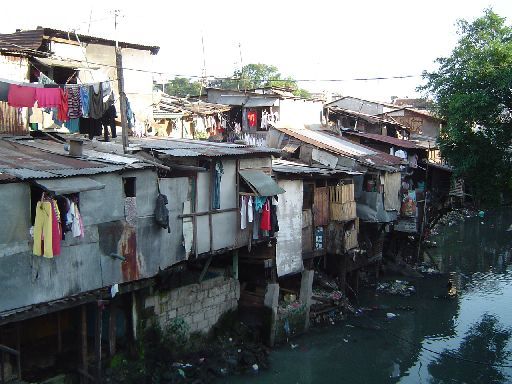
(112, 328)
(83, 344)
(205, 268)
(212, 212)
(59, 333)
(97, 339)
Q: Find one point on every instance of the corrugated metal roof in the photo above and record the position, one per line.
(72, 185)
(67, 63)
(328, 142)
(343, 147)
(195, 148)
(260, 102)
(291, 167)
(21, 41)
(261, 183)
(384, 139)
(44, 159)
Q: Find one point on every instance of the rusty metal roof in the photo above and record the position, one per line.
(343, 147)
(51, 32)
(196, 148)
(44, 159)
(384, 139)
(171, 107)
(21, 41)
(292, 167)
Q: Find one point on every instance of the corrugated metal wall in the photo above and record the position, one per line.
(11, 120)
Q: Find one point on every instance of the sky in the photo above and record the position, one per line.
(318, 40)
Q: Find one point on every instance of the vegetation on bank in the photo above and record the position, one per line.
(472, 90)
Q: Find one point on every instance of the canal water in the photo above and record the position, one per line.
(434, 338)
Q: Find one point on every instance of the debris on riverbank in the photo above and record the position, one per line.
(329, 305)
(396, 287)
(452, 218)
(230, 348)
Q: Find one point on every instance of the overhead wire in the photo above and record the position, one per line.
(212, 77)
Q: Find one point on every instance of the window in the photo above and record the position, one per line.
(129, 184)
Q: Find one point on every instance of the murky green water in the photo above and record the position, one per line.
(434, 339)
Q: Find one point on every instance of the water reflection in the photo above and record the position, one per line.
(475, 324)
(485, 342)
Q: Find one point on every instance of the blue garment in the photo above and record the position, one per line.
(217, 177)
(130, 116)
(259, 201)
(84, 100)
(73, 125)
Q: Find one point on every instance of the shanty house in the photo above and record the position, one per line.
(255, 111)
(123, 266)
(372, 195)
(67, 57)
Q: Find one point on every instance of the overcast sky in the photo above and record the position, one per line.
(306, 40)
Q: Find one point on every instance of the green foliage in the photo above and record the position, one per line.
(182, 87)
(257, 76)
(472, 90)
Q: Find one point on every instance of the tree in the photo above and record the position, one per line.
(182, 87)
(257, 76)
(472, 90)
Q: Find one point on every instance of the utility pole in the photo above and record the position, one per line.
(120, 86)
(241, 65)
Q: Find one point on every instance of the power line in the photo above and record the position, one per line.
(211, 77)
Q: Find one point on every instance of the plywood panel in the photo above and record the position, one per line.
(321, 206)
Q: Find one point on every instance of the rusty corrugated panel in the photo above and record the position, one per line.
(11, 121)
(16, 155)
(321, 206)
(21, 41)
(385, 139)
(130, 266)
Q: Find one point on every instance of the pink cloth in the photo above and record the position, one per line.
(20, 96)
(49, 97)
(56, 229)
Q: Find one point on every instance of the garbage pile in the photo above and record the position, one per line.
(454, 217)
(329, 304)
(396, 287)
(426, 268)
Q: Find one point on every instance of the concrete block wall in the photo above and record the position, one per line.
(200, 305)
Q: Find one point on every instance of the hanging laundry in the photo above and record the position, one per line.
(84, 100)
(217, 177)
(92, 127)
(63, 108)
(250, 212)
(77, 226)
(259, 201)
(243, 212)
(21, 96)
(4, 91)
(256, 226)
(49, 97)
(265, 217)
(74, 105)
(273, 216)
(130, 116)
(47, 230)
(96, 106)
(109, 120)
(73, 125)
(43, 79)
(252, 118)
